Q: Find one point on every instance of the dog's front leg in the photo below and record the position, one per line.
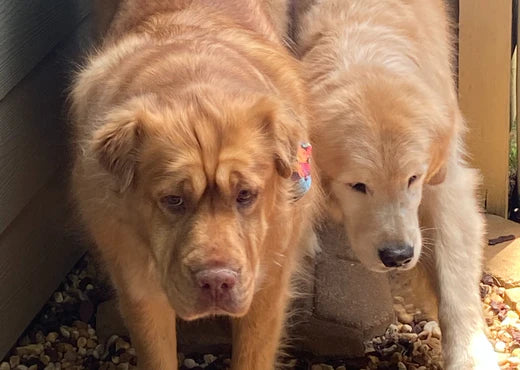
(151, 322)
(452, 209)
(256, 336)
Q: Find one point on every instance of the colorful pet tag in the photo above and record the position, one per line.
(302, 171)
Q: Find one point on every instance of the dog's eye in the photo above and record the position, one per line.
(411, 180)
(172, 202)
(359, 187)
(245, 198)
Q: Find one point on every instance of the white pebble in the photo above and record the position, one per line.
(190, 363)
(5, 366)
(392, 330)
(406, 329)
(14, 361)
(514, 360)
(500, 346)
(430, 325)
(209, 358)
(58, 297)
(65, 332)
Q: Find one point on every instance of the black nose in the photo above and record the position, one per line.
(396, 255)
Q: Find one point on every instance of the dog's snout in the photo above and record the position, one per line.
(396, 255)
(216, 282)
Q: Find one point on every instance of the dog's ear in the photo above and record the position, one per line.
(285, 129)
(440, 151)
(116, 144)
(438, 177)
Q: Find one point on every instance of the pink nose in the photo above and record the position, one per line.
(216, 282)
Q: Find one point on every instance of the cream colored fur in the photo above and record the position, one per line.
(387, 117)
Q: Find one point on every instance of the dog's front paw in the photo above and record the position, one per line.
(479, 356)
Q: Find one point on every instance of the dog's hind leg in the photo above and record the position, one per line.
(458, 228)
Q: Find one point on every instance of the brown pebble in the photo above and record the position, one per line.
(5, 366)
(52, 336)
(65, 331)
(121, 344)
(91, 343)
(70, 356)
(64, 347)
(404, 317)
(84, 333)
(80, 325)
(45, 359)
(29, 350)
(82, 342)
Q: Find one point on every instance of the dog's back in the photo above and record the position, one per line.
(402, 35)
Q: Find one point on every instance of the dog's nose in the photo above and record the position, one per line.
(396, 255)
(216, 282)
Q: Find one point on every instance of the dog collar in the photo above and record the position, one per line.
(302, 170)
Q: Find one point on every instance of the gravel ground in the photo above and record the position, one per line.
(62, 336)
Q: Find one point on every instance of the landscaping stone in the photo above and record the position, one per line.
(512, 297)
(349, 304)
(502, 260)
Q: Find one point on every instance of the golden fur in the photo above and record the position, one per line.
(187, 122)
(388, 140)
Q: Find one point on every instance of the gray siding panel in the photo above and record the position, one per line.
(32, 129)
(29, 29)
(36, 251)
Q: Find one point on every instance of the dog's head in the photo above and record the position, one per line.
(380, 140)
(201, 176)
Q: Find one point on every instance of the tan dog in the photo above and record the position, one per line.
(189, 122)
(388, 139)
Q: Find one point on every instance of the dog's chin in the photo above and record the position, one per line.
(201, 311)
